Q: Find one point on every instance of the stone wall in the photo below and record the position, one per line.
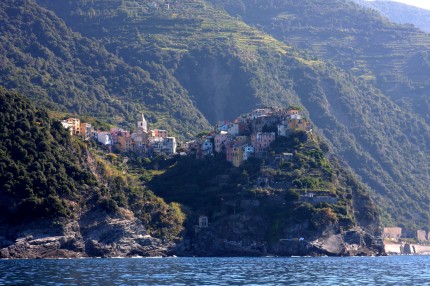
(393, 249)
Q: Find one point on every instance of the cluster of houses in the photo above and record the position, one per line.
(397, 233)
(249, 134)
(143, 141)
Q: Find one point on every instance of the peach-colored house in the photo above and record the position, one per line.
(261, 142)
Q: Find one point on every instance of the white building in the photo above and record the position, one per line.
(65, 124)
(104, 138)
(283, 130)
(156, 144)
(142, 125)
(207, 148)
(166, 145)
(259, 112)
(169, 145)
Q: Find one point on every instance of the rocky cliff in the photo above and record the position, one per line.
(95, 234)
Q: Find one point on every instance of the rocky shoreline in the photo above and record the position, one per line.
(354, 242)
(97, 234)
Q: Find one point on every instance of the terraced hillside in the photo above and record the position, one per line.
(379, 121)
(390, 56)
(201, 61)
(212, 55)
(64, 71)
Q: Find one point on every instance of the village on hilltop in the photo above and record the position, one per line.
(249, 135)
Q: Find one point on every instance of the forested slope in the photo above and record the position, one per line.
(378, 122)
(189, 63)
(392, 57)
(40, 175)
(46, 175)
(42, 57)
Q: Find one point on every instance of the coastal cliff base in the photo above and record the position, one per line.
(99, 235)
(96, 234)
(354, 242)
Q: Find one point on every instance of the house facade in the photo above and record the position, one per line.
(261, 142)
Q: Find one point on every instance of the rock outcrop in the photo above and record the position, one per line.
(353, 242)
(95, 234)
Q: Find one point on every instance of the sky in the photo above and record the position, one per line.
(418, 3)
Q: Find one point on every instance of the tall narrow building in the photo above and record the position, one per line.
(142, 125)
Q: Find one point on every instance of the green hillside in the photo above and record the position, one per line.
(39, 175)
(220, 61)
(46, 174)
(64, 71)
(375, 112)
(61, 196)
(212, 186)
(356, 39)
(188, 63)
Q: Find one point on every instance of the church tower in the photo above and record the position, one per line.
(142, 125)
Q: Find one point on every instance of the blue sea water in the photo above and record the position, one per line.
(392, 270)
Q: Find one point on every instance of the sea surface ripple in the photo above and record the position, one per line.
(392, 270)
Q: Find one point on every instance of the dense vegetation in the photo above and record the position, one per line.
(359, 40)
(39, 174)
(213, 186)
(43, 58)
(375, 112)
(189, 59)
(44, 173)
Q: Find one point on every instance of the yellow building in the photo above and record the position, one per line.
(297, 124)
(237, 155)
(74, 125)
(126, 144)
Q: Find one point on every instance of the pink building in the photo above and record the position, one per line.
(261, 142)
(221, 140)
